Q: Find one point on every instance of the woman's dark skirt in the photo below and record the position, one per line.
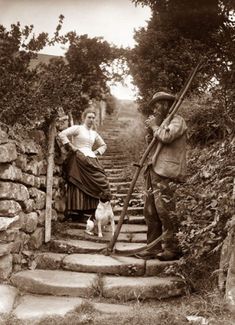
(78, 200)
(86, 181)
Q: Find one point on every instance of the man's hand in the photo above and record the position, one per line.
(151, 123)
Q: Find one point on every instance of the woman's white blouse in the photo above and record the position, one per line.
(84, 139)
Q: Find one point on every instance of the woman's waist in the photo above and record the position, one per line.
(87, 151)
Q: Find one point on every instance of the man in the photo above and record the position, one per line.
(168, 167)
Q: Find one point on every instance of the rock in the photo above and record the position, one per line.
(31, 147)
(6, 223)
(3, 136)
(9, 235)
(39, 198)
(5, 249)
(5, 266)
(9, 208)
(30, 222)
(21, 162)
(42, 167)
(10, 172)
(29, 205)
(8, 152)
(41, 217)
(13, 191)
(8, 295)
(37, 239)
(28, 179)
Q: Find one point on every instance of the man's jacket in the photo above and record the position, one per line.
(171, 161)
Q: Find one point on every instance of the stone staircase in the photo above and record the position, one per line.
(73, 264)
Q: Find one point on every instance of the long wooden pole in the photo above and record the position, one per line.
(173, 110)
(49, 182)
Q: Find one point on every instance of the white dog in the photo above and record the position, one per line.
(103, 216)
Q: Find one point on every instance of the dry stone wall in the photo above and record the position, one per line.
(23, 167)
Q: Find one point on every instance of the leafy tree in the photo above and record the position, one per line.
(32, 96)
(177, 35)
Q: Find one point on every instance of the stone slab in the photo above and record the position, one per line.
(8, 295)
(54, 282)
(118, 265)
(131, 219)
(130, 211)
(120, 247)
(80, 234)
(32, 307)
(126, 228)
(154, 267)
(76, 246)
(129, 288)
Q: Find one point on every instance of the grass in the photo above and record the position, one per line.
(208, 306)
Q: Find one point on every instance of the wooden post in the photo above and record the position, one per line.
(230, 280)
(49, 182)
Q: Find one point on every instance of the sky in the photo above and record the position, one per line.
(114, 20)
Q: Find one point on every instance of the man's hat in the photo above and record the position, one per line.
(161, 95)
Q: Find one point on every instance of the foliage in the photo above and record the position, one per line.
(207, 120)
(177, 35)
(204, 208)
(32, 95)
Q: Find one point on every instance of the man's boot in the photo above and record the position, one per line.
(170, 252)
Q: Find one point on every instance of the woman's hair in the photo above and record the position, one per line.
(87, 111)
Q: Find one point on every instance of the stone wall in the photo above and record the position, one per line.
(23, 167)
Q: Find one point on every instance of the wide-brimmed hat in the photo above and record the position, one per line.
(161, 95)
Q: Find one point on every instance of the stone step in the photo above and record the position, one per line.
(121, 190)
(131, 211)
(120, 184)
(123, 237)
(134, 195)
(111, 157)
(138, 219)
(92, 263)
(55, 282)
(113, 171)
(128, 288)
(33, 309)
(116, 179)
(115, 164)
(126, 228)
(69, 246)
(87, 285)
(76, 246)
(119, 168)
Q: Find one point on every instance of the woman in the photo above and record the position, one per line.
(87, 182)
